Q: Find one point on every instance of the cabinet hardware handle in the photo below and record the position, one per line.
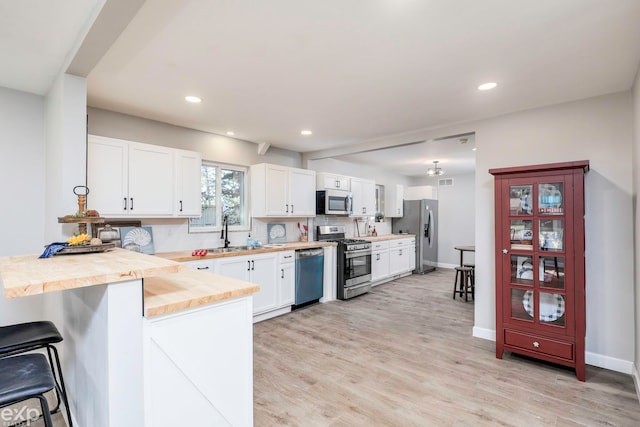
(253, 265)
(536, 344)
(125, 203)
(180, 205)
(400, 252)
(248, 265)
(377, 257)
(505, 251)
(291, 208)
(131, 208)
(202, 268)
(282, 270)
(288, 256)
(287, 209)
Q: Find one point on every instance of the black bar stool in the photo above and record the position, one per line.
(26, 377)
(25, 337)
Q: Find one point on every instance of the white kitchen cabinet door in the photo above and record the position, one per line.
(287, 281)
(108, 175)
(364, 197)
(188, 183)
(277, 187)
(280, 191)
(259, 269)
(302, 194)
(264, 273)
(238, 267)
(329, 181)
(394, 195)
(379, 265)
(151, 180)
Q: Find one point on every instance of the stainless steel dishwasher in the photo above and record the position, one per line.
(309, 275)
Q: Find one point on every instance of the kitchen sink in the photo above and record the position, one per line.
(232, 249)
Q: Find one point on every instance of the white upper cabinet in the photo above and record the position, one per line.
(364, 197)
(394, 195)
(108, 176)
(141, 180)
(329, 181)
(151, 180)
(281, 191)
(188, 183)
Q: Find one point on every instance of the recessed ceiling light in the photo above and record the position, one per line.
(230, 133)
(487, 86)
(193, 99)
(473, 149)
(306, 132)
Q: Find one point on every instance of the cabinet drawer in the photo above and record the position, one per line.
(541, 345)
(289, 256)
(379, 245)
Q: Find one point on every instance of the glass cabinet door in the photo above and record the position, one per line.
(537, 242)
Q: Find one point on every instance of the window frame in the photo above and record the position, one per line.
(246, 226)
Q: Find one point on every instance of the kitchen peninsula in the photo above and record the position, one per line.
(147, 342)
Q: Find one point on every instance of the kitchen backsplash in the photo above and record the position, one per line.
(173, 234)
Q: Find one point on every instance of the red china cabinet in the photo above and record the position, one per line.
(540, 278)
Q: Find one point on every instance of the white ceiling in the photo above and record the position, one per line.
(351, 71)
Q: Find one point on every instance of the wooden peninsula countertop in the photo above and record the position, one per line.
(168, 285)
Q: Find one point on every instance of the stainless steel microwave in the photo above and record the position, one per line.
(334, 202)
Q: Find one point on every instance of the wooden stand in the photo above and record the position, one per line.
(81, 221)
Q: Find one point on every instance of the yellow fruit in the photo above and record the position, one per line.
(78, 239)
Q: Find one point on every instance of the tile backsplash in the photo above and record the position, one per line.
(173, 234)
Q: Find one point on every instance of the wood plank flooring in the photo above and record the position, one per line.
(403, 355)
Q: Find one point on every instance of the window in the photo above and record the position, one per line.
(223, 190)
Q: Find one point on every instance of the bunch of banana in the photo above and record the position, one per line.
(79, 239)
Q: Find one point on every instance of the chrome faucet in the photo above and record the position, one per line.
(224, 234)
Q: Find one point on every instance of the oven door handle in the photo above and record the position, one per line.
(357, 253)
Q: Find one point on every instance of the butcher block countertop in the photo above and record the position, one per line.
(387, 237)
(168, 285)
(29, 275)
(183, 256)
(190, 288)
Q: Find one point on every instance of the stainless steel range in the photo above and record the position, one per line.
(353, 276)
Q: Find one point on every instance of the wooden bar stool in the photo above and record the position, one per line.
(26, 337)
(462, 286)
(473, 275)
(24, 377)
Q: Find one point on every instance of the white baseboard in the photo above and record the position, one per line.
(611, 363)
(444, 265)
(486, 334)
(636, 381)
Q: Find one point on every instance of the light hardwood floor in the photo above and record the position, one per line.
(403, 355)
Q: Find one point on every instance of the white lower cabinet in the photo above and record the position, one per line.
(379, 261)
(287, 279)
(198, 365)
(401, 256)
(260, 269)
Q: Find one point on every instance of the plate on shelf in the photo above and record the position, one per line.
(86, 249)
(551, 305)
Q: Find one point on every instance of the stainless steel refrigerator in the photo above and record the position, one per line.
(421, 218)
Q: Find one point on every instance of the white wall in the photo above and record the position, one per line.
(22, 174)
(456, 217)
(636, 214)
(375, 173)
(216, 148)
(599, 130)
